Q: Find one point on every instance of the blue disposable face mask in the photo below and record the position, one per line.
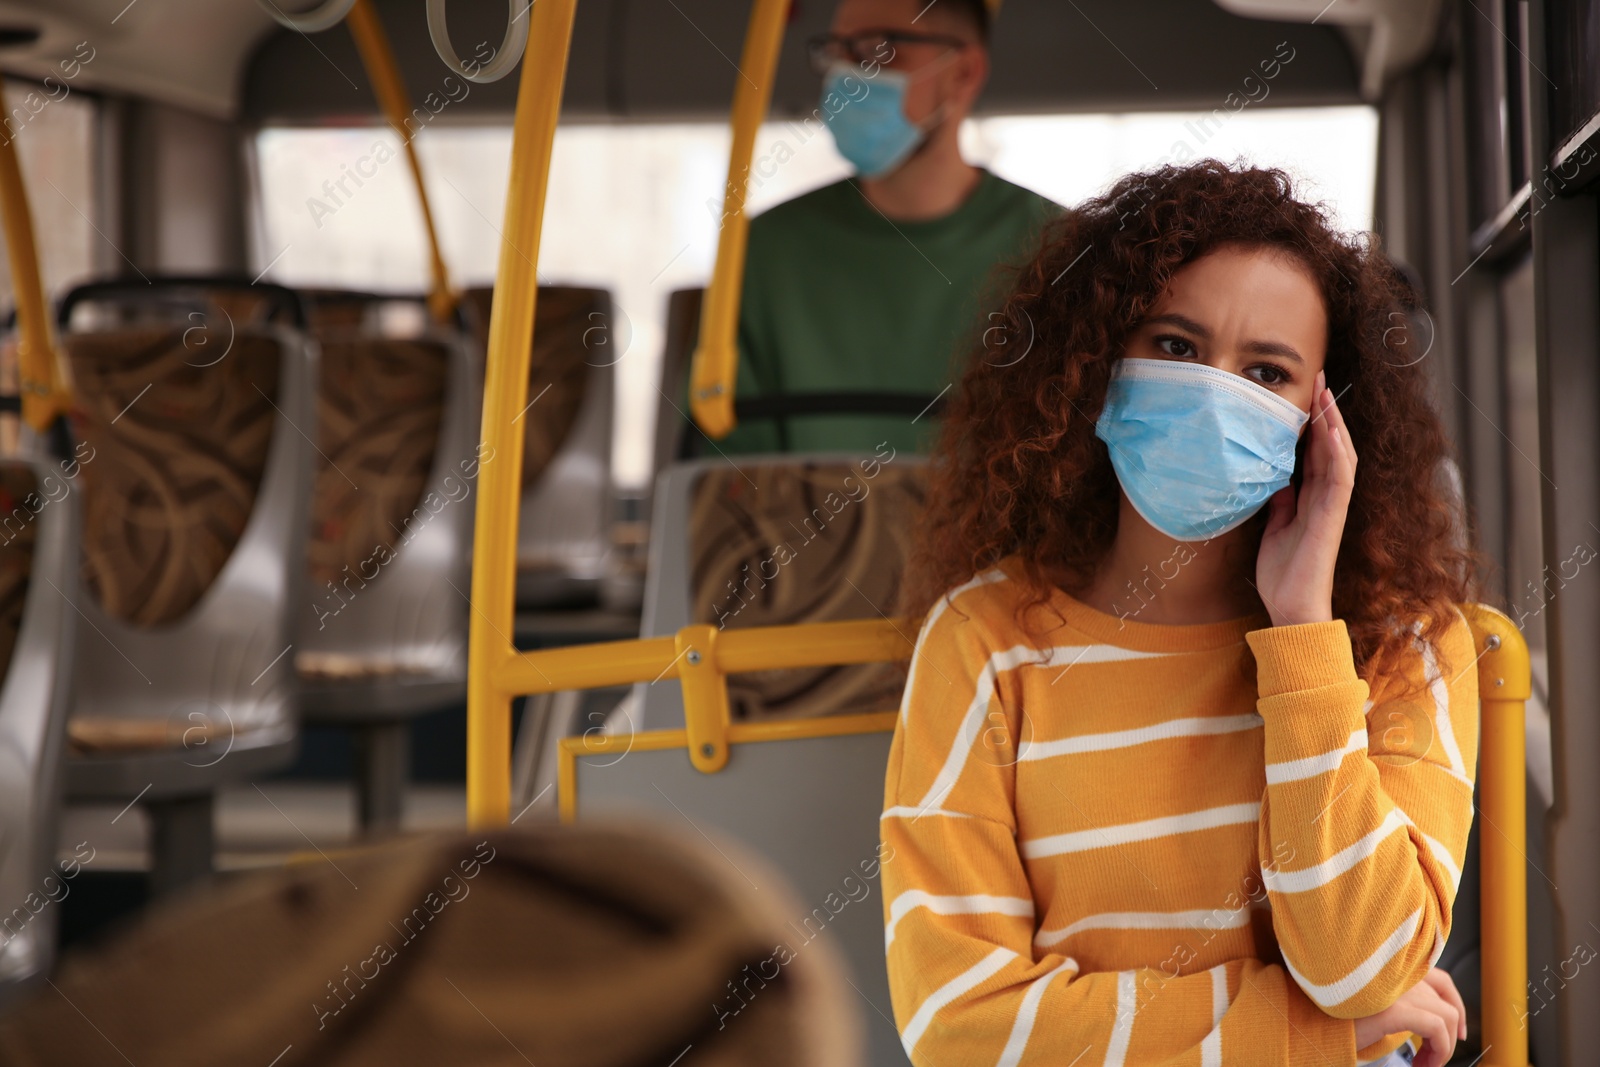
(868, 119)
(1198, 450)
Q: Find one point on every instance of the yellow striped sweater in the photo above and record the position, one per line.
(1190, 845)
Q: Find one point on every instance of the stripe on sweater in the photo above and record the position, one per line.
(971, 904)
(1231, 919)
(964, 982)
(1148, 829)
(972, 722)
(1322, 873)
(1122, 1029)
(1443, 728)
(1142, 735)
(906, 811)
(1022, 1028)
(1437, 849)
(1310, 766)
(986, 578)
(1342, 989)
(1211, 1046)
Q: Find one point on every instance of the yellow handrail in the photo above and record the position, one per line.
(701, 657)
(46, 394)
(378, 59)
(713, 374)
(1505, 682)
(490, 652)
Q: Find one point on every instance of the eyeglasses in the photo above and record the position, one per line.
(869, 46)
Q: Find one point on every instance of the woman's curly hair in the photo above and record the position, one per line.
(1018, 470)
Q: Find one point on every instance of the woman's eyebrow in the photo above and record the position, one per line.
(1274, 348)
(1261, 348)
(1183, 322)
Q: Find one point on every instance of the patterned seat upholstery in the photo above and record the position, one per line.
(813, 541)
(380, 403)
(179, 446)
(557, 370)
(175, 442)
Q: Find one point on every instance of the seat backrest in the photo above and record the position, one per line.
(196, 480)
(180, 449)
(565, 515)
(780, 540)
(39, 523)
(391, 519)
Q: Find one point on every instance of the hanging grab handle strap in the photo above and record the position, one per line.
(378, 58)
(329, 15)
(511, 48)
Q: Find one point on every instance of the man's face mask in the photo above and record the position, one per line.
(1198, 450)
(871, 129)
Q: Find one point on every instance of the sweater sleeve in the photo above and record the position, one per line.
(1367, 806)
(967, 984)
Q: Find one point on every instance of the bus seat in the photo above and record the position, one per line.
(196, 474)
(551, 945)
(39, 524)
(382, 636)
(174, 479)
(718, 535)
(564, 524)
(806, 802)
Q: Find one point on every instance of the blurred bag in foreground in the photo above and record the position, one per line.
(605, 946)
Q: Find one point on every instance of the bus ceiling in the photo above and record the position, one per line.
(653, 61)
(665, 62)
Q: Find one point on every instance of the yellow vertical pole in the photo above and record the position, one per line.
(44, 389)
(716, 359)
(378, 59)
(1504, 685)
(494, 550)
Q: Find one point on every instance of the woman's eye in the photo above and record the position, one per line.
(1268, 374)
(1175, 346)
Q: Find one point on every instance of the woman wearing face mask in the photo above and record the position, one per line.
(1184, 766)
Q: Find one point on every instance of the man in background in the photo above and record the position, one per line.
(879, 283)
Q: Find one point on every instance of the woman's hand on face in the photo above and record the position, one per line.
(1294, 569)
(1431, 1009)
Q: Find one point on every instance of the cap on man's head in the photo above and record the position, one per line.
(974, 13)
(971, 15)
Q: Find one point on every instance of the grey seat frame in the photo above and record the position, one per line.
(414, 611)
(228, 663)
(35, 697)
(564, 518)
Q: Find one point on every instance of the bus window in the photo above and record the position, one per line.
(636, 208)
(1332, 151)
(55, 138)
